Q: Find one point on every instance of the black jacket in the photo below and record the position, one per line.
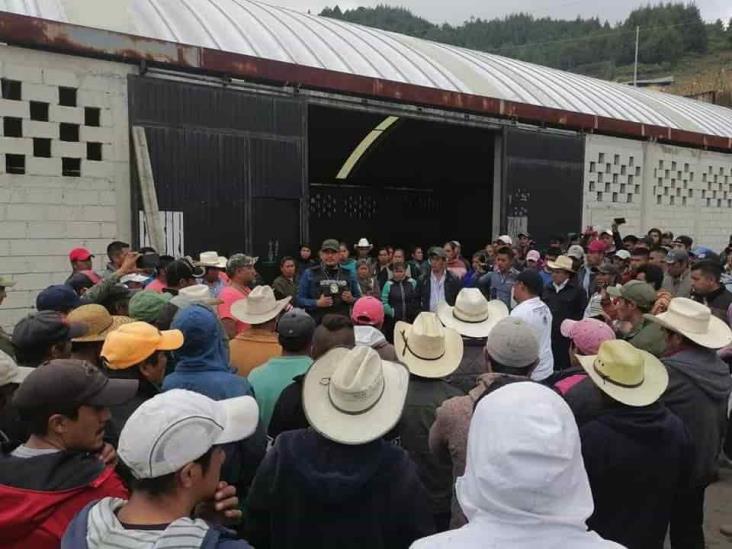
(718, 301)
(637, 459)
(424, 285)
(312, 492)
(288, 413)
(569, 302)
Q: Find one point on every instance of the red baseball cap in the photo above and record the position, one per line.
(80, 254)
(597, 246)
(367, 311)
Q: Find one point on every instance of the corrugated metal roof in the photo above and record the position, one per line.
(271, 32)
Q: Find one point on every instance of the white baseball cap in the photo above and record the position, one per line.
(507, 240)
(177, 427)
(623, 254)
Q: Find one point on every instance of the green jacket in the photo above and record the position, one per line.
(648, 336)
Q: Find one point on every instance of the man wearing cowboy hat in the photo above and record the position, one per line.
(431, 352)
(565, 300)
(698, 392)
(328, 288)
(363, 249)
(340, 483)
(258, 344)
(634, 437)
(215, 266)
(473, 317)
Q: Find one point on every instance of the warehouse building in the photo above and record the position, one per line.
(265, 127)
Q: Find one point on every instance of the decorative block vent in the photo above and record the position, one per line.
(716, 186)
(614, 177)
(673, 183)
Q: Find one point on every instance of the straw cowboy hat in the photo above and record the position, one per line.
(364, 243)
(351, 396)
(98, 321)
(473, 315)
(212, 259)
(625, 373)
(259, 306)
(694, 321)
(563, 263)
(198, 293)
(427, 347)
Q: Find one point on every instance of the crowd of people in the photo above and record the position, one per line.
(574, 396)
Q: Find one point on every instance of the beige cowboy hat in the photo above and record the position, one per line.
(694, 321)
(364, 243)
(427, 347)
(98, 321)
(563, 263)
(259, 306)
(473, 315)
(351, 396)
(198, 293)
(212, 259)
(625, 373)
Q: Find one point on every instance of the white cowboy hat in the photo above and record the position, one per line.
(212, 259)
(259, 306)
(625, 373)
(473, 315)
(427, 347)
(364, 243)
(694, 321)
(198, 293)
(563, 263)
(351, 396)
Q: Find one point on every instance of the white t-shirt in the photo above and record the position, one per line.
(537, 315)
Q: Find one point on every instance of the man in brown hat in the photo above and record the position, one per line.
(565, 300)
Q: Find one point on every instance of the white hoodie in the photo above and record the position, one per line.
(525, 484)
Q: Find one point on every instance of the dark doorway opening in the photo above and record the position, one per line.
(419, 183)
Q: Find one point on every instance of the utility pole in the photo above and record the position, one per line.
(635, 66)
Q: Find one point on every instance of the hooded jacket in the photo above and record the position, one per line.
(41, 495)
(699, 386)
(525, 484)
(98, 527)
(312, 492)
(637, 459)
(374, 338)
(202, 366)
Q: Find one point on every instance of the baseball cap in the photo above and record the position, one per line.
(6, 282)
(98, 321)
(70, 382)
(368, 311)
(132, 343)
(677, 256)
(533, 255)
(507, 240)
(512, 343)
(45, 328)
(295, 323)
(331, 244)
(524, 235)
(576, 251)
(80, 254)
(635, 291)
(177, 427)
(606, 267)
(587, 334)
(437, 251)
(59, 297)
(10, 372)
(607, 232)
(146, 305)
(597, 246)
(240, 260)
(702, 252)
(623, 254)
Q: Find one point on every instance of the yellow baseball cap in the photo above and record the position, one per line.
(132, 343)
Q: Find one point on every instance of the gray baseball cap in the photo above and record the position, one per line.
(437, 251)
(512, 343)
(677, 255)
(296, 323)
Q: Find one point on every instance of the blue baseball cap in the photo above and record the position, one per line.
(60, 298)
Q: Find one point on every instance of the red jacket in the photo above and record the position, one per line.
(40, 496)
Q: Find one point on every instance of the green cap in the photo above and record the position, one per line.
(635, 291)
(5, 282)
(146, 305)
(331, 244)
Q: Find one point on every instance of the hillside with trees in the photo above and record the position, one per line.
(670, 35)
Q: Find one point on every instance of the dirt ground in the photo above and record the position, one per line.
(718, 510)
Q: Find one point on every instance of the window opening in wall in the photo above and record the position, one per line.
(11, 89)
(92, 116)
(599, 197)
(616, 159)
(630, 198)
(631, 160)
(12, 127)
(94, 151)
(71, 167)
(41, 147)
(15, 163)
(39, 111)
(67, 97)
(592, 167)
(69, 132)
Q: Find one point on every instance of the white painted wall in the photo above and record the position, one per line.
(44, 214)
(686, 191)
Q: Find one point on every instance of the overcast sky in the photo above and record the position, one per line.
(457, 11)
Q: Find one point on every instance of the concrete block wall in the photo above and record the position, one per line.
(44, 213)
(686, 191)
